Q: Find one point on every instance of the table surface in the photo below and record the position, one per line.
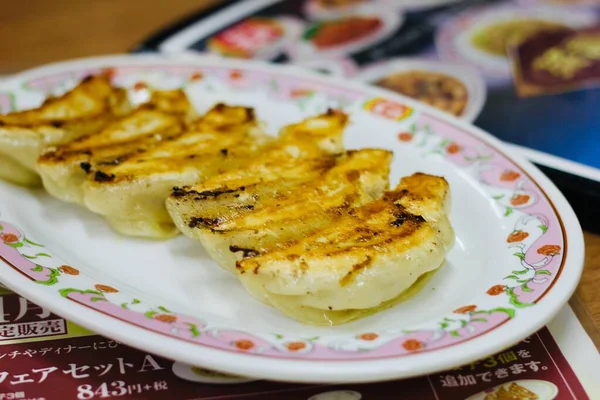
(39, 31)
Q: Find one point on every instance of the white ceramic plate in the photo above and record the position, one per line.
(517, 259)
(470, 78)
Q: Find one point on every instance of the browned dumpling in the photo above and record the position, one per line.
(87, 108)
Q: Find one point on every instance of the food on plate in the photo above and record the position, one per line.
(325, 35)
(439, 90)
(247, 38)
(308, 227)
(360, 263)
(511, 391)
(90, 106)
(496, 38)
(301, 154)
(64, 168)
(277, 199)
(131, 193)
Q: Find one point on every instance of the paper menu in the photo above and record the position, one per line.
(372, 41)
(42, 356)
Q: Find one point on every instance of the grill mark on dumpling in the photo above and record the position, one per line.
(60, 155)
(100, 176)
(86, 166)
(204, 195)
(179, 191)
(216, 193)
(205, 222)
(403, 216)
(362, 236)
(356, 268)
(377, 240)
(95, 152)
(115, 161)
(246, 253)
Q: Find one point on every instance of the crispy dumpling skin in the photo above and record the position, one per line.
(87, 108)
(295, 198)
(131, 194)
(367, 260)
(64, 168)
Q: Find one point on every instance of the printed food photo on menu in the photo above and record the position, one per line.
(534, 55)
(439, 90)
(455, 89)
(495, 38)
(256, 37)
(482, 37)
(557, 61)
(346, 33)
(529, 389)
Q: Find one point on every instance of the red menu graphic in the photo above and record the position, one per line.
(44, 357)
(20, 319)
(536, 358)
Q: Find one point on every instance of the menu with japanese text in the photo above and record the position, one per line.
(499, 63)
(44, 357)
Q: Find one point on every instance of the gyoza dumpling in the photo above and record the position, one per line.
(131, 193)
(64, 168)
(366, 261)
(277, 203)
(87, 108)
